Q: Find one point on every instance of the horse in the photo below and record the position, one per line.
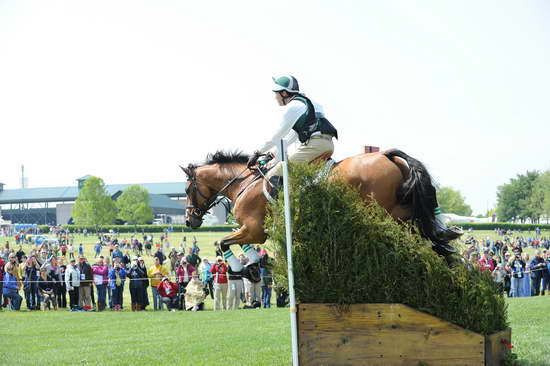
(399, 183)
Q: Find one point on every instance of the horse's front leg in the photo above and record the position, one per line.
(245, 236)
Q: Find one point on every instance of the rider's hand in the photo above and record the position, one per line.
(253, 159)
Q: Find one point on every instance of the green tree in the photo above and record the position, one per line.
(540, 196)
(452, 201)
(94, 206)
(514, 198)
(133, 206)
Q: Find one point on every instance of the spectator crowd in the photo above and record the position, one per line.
(59, 275)
(516, 272)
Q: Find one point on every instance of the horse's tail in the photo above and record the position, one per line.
(418, 193)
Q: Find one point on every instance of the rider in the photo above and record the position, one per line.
(302, 119)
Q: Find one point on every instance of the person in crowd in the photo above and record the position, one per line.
(72, 282)
(487, 263)
(537, 266)
(252, 285)
(70, 249)
(173, 256)
(168, 292)
(148, 247)
(80, 250)
(499, 274)
(145, 284)
(107, 261)
(117, 253)
(117, 276)
(101, 281)
(19, 254)
(63, 248)
(235, 287)
(136, 273)
(525, 289)
(46, 286)
(206, 276)
(160, 255)
(155, 274)
(2, 271)
(195, 294)
(516, 267)
(86, 279)
(32, 293)
(184, 274)
(97, 248)
(195, 247)
(193, 259)
(126, 261)
(61, 287)
(219, 272)
(267, 280)
(11, 285)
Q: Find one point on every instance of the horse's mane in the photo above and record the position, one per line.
(222, 157)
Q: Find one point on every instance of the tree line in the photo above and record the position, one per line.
(525, 197)
(95, 207)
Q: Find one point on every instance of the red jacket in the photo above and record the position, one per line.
(180, 273)
(167, 289)
(220, 273)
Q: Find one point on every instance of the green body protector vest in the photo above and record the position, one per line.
(311, 122)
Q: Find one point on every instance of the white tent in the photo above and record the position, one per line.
(464, 219)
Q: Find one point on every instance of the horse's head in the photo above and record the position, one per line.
(199, 197)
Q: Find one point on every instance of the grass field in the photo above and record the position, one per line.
(244, 337)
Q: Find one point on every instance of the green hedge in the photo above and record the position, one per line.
(346, 252)
(502, 225)
(145, 228)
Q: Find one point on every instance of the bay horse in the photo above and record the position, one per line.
(399, 183)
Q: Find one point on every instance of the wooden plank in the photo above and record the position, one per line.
(383, 334)
(495, 349)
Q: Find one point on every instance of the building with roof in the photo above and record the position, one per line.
(53, 205)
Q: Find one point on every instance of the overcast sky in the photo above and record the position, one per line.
(127, 90)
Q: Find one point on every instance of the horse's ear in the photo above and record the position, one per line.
(186, 171)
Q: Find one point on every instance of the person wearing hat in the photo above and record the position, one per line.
(168, 292)
(46, 287)
(86, 279)
(487, 263)
(184, 273)
(206, 276)
(144, 284)
(219, 272)
(302, 119)
(499, 274)
(516, 266)
(117, 277)
(135, 274)
(72, 282)
(155, 274)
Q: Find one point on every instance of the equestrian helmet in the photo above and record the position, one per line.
(286, 82)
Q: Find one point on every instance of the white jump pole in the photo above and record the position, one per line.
(288, 227)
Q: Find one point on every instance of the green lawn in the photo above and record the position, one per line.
(243, 337)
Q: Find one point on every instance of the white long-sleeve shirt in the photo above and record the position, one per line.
(291, 113)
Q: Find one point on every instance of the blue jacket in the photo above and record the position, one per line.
(112, 277)
(10, 284)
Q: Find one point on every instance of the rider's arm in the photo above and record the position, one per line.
(293, 112)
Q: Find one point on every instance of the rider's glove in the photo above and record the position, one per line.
(253, 159)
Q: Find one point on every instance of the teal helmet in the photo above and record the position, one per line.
(286, 82)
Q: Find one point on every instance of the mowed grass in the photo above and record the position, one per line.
(530, 325)
(243, 337)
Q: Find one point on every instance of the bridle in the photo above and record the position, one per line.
(198, 211)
